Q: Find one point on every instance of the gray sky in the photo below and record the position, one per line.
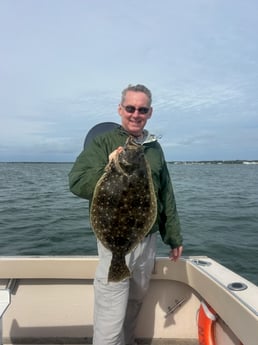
(64, 63)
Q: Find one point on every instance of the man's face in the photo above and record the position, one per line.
(135, 112)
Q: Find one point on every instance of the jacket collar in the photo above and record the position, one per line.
(146, 139)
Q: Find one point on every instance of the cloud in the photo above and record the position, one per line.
(63, 68)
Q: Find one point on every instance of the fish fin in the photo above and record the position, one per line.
(118, 270)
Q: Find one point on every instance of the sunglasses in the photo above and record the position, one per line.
(131, 109)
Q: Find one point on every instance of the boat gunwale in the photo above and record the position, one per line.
(201, 279)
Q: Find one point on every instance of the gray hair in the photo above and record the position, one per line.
(137, 88)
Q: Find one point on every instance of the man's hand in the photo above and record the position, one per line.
(116, 152)
(176, 253)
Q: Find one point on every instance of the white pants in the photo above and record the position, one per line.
(117, 304)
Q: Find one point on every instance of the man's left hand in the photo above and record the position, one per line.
(176, 253)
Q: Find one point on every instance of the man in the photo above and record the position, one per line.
(117, 304)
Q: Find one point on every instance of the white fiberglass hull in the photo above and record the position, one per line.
(50, 300)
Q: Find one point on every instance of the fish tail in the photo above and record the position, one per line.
(118, 270)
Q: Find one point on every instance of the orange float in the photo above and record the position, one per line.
(206, 321)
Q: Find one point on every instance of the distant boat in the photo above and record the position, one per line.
(250, 162)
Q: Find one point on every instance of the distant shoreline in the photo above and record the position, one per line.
(247, 162)
(217, 162)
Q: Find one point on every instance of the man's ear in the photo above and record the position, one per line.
(119, 109)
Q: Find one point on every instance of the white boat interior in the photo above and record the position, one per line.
(49, 300)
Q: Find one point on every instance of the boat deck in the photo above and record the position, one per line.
(51, 301)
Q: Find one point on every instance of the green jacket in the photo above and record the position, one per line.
(90, 165)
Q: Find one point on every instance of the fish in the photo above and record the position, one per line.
(124, 206)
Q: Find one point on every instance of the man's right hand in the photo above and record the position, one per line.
(115, 153)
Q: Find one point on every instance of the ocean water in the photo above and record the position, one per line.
(217, 204)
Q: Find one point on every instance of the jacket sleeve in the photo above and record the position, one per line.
(87, 169)
(169, 224)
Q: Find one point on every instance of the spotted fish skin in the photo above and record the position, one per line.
(124, 206)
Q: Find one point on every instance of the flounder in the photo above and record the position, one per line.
(124, 206)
